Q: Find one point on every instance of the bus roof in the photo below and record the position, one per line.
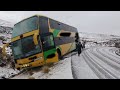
(43, 16)
(25, 19)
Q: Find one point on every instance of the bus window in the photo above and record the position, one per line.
(54, 24)
(28, 46)
(48, 42)
(25, 47)
(17, 49)
(26, 25)
(43, 21)
(64, 34)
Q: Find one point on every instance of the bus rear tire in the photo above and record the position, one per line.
(59, 55)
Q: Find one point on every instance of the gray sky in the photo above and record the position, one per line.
(104, 22)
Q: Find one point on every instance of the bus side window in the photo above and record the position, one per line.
(54, 24)
(64, 34)
(43, 25)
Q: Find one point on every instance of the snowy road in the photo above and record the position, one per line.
(93, 63)
(96, 62)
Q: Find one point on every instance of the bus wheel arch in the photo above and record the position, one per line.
(18, 69)
(59, 53)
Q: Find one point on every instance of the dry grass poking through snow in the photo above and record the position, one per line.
(31, 72)
(31, 77)
(45, 69)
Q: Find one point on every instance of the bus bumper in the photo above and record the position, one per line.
(30, 65)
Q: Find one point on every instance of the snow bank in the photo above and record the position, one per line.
(80, 68)
(117, 52)
(6, 72)
(61, 70)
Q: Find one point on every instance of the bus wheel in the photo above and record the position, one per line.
(59, 55)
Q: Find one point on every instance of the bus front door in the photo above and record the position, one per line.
(49, 48)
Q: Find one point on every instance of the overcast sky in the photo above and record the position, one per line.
(104, 22)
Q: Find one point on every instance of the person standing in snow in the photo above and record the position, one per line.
(79, 47)
(84, 44)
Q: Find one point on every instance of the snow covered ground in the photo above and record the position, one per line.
(117, 51)
(61, 70)
(81, 69)
(93, 63)
(6, 72)
(97, 62)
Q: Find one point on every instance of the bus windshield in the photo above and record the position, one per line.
(24, 26)
(25, 47)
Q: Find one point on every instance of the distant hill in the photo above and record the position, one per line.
(5, 30)
(97, 37)
(6, 23)
(5, 27)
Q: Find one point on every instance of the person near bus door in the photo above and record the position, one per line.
(84, 44)
(79, 48)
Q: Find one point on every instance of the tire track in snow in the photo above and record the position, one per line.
(113, 63)
(113, 68)
(108, 53)
(72, 67)
(103, 63)
(94, 69)
(73, 70)
(117, 60)
(99, 70)
(80, 69)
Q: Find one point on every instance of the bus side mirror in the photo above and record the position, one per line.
(35, 39)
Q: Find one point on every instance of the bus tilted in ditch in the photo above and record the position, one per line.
(39, 40)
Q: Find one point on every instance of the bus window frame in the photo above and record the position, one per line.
(44, 35)
(40, 45)
(37, 28)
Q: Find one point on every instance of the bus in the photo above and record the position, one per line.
(40, 40)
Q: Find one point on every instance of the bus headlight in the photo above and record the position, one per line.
(25, 65)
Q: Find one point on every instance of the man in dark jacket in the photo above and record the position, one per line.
(79, 47)
(84, 44)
